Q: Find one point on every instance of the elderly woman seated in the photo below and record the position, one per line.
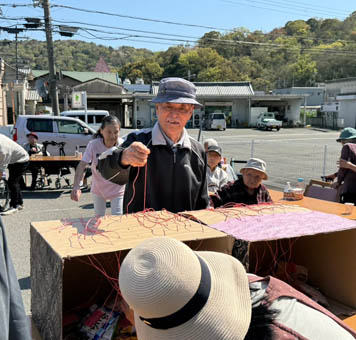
(246, 190)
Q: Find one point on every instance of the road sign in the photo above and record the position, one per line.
(330, 107)
(77, 100)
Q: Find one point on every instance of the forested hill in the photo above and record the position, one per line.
(302, 53)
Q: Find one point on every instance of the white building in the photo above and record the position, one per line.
(235, 99)
(340, 100)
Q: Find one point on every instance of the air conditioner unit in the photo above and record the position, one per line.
(196, 120)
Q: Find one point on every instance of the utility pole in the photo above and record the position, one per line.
(16, 55)
(52, 76)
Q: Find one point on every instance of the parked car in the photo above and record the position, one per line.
(73, 132)
(94, 116)
(267, 121)
(215, 121)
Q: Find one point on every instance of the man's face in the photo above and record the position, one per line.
(32, 140)
(252, 178)
(173, 117)
(213, 159)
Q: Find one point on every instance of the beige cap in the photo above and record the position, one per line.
(256, 164)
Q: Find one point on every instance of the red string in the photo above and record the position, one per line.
(144, 193)
(133, 191)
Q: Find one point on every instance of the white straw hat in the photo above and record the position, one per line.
(256, 164)
(178, 294)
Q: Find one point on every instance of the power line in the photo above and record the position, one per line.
(172, 35)
(176, 35)
(224, 42)
(316, 6)
(16, 5)
(273, 8)
(185, 36)
(294, 6)
(141, 18)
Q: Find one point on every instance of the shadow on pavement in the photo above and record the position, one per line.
(25, 283)
(87, 206)
(40, 194)
(91, 205)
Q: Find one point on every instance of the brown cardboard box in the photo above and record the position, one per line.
(61, 278)
(328, 257)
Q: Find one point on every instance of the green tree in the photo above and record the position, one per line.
(147, 69)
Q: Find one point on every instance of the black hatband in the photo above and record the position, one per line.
(188, 311)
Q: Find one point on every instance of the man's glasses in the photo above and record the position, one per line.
(182, 108)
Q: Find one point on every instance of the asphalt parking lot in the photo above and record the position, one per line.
(290, 153)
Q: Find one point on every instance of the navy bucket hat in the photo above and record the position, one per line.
(176, 90)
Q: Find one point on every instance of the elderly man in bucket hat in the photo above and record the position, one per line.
(162, 167)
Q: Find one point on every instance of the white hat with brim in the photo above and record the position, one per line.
(256, 164)
(159, 278)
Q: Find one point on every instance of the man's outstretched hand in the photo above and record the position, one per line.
(135, 155)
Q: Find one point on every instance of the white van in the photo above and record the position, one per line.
(73, 132)
(216, 121)
(94, 116)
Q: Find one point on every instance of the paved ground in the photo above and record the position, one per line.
(289, 153)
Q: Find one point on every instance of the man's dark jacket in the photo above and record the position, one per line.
(175, 178)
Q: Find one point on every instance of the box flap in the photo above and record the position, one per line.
(77, 237)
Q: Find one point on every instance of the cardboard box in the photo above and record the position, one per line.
(62, 277)
(324, 245)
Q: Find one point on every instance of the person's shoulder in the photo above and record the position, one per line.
(195, 144)
(351, 146)
(196, 147)
(143, 136)
(94, 142)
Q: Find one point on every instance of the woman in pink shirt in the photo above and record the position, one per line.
(107, 137)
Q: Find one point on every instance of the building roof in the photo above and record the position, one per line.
(134, 88)
(300, 88)
(33, 95)
(83, 76)
(39, 73)
(102, 66)
(218, 89)
(341, 80)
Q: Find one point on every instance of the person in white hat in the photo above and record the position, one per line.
(246, 190)
(163, 167)
(180, 294)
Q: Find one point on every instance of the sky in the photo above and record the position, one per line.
(191, 18)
